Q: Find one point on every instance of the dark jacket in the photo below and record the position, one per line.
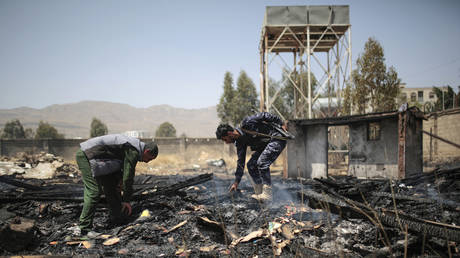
(260, 123)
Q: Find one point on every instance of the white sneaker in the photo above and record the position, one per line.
(75, 230)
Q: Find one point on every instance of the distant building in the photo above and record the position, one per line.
(137, 134)
(421, 95)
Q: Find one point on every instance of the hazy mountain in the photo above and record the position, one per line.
(73, 120)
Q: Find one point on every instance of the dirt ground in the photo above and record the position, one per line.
(175, 165)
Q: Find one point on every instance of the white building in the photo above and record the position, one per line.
(137, 134)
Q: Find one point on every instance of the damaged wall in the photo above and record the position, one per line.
(67, 148)
(378, 147)
(374, 158)
(414, 148)
(62, 147)
(314, 147)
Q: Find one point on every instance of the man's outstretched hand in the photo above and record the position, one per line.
(126, 208)
(233, 187)
(285, 126)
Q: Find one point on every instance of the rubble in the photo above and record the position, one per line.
(189, 215)
(39, 166)
(216, 163)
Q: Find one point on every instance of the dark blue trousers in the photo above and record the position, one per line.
(260, 161)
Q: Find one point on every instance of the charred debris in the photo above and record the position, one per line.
(193, 215)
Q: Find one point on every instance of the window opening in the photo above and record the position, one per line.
(420, 96)
(373, 131)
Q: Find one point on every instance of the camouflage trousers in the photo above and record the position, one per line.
(260, 161)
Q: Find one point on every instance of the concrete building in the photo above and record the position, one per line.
(385, 145)
(421, 95)
(137, 134)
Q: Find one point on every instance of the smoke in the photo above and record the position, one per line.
(219, 187)
(286, 194)
(282, 196)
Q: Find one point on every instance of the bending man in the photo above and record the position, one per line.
(107, 164)
(261, 134)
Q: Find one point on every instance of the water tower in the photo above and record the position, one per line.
(305, 39)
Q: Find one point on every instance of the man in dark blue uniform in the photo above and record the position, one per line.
(262, 132)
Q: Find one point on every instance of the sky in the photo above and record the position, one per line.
(176, 52)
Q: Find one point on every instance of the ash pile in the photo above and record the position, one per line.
(196, 216)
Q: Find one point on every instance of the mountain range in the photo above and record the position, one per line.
(74, 119)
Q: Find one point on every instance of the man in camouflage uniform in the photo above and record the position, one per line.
(260, 133)
(107, 164)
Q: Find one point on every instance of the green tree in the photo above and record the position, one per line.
(445, 99)
(166, 129)
(373, 83)
(280, 103)
(13, 130)
(359, 94)
(29, 133)
(225, 108)
(246, 99)
(347, 100)
(388, 91)
(98, 128)
(47, 131)
(298, 90)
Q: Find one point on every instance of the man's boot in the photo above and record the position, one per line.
(266, 194)
(257, 190)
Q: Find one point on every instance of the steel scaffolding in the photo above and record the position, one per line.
(296, 35)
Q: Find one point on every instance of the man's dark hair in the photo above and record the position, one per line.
(222, 130)
(152, 148)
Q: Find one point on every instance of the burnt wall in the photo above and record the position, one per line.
(414, 148)
(317, 151)
(296, 152)
(307, 155)
(66, 148)
(374, 158)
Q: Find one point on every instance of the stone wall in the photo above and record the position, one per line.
(66, 148)
(445, 124)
